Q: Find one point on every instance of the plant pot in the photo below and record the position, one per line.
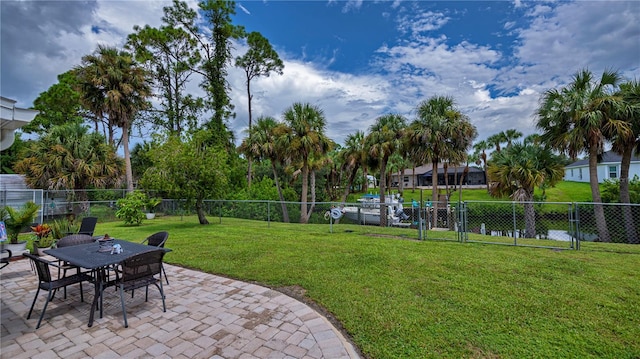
(40, 251)
(150, 215)
(17, 249)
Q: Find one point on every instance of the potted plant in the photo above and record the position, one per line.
(15, 221)
(60, 228)
(43, 238)
(150, 205)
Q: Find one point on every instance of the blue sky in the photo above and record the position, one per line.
(358, 60)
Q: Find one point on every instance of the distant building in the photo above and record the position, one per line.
(608, 168)
(423, 175)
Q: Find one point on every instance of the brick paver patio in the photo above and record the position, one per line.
(207, 317)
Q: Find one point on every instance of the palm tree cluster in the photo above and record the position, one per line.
(439, 133)
(586, 114)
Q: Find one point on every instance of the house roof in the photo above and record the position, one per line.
(419, 170)
(453, 170)
(607, 157)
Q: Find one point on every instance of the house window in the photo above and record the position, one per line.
(580, 173)
(572, 172)
(613, 171)
(406, 179)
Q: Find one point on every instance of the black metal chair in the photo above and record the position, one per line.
(5, 259)
(74, 240)
(45, 282)
(88, 225)
(71, 240)
(139, 271)
(158, 240)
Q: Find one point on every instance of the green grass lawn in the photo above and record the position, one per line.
(402, 298)
(562, 192)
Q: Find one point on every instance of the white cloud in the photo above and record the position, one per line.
(41, 40)
(417, 24)
(352, 5)
(595, 35)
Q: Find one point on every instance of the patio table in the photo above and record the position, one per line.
(87, 256)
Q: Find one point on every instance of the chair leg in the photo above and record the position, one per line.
(165, 274)
(124, 309)
(34, 303)
(101, 299)
(160, 287)
(49, 297)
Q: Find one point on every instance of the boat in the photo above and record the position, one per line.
(368, 210)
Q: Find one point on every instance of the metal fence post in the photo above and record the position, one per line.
(513, 212)
(577, 226)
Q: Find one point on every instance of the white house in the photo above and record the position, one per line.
(609, 167)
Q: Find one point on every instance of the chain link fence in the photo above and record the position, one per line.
(541, 224)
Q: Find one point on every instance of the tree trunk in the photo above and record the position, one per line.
(529, 217)
(601, 222)
(401, 180)
(200, 210)
(285, 212)
(352, 178)
(313, 194)
(127, 158)
(484, 167)
(445, 167)
(625, 198)
(249, 174)
(434, 191)
(414, 179)
(383, 185)
(303, 196)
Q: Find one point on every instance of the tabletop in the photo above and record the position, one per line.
(87, 255)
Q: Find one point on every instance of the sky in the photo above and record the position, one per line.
(356, 60)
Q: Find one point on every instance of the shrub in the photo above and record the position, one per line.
(130, 208)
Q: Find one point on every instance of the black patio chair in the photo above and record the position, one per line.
(5, 259)
(45, 282)
(158, 240)
(67, 241)
(88, 225)
(139, 271)
(74, 240)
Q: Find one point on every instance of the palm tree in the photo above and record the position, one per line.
(383, 140)
(305, 139)
(496, 140)
(68, 157)
(480, 148)
(353, 156)
(517, 170)
(441, 133)
(473, 157)
(259, 60)
(532, 139)
(626, 141)
(112, 83)
(573, 120)
(511, 134)
(262, 144)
